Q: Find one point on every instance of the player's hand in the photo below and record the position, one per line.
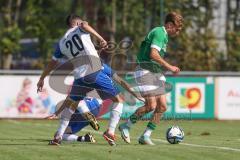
(53, 116)
(40, 85)
(103, 44)
(174, 69)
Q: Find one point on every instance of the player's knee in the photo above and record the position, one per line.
(163, 109)
(151, 107)
(71, 103)
(70, 107)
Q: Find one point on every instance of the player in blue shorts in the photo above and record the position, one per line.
(78, 122)
(77, 47)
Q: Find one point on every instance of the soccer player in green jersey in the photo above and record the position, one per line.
(151, 63)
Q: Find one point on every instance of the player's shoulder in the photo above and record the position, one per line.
(74, 30)
(158, 30)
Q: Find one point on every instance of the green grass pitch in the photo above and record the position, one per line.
(27, 140)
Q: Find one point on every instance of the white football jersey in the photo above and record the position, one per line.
(76, 45)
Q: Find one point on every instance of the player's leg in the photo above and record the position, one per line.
(77, 94)
(73, 128)
(147, 87)
(107, 90)
(88, 137)
(160, 109)
(77, 122)
(70, 107)
(150, 105)
(115, 115)
(87, 115)
(80, 89)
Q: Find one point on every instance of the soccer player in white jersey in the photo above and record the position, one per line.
(94, 105)
(77, 46)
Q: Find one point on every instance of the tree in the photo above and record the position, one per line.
(45, 20)
(231, 62)
(10, 33)
(196, 47)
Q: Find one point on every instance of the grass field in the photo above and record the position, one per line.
(23, 140)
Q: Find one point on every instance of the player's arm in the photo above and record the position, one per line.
(154, 54)
(84, 25)
(125, 85)
(58, 111)
(51, 65)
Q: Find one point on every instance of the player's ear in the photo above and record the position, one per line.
(83, 23)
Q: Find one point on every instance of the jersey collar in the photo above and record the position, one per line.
(165, 30)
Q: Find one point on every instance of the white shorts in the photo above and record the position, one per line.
(149, 83)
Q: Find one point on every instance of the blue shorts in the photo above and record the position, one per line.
(100, 81)
(77, 122)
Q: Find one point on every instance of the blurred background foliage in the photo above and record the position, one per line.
(34, 27)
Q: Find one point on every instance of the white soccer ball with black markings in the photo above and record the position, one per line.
(174, 135)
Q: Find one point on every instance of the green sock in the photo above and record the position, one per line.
(150, 127)
(133, 118)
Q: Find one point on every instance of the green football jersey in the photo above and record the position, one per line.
(157, 38)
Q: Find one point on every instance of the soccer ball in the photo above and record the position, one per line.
(174, 135)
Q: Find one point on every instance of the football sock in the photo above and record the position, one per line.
(150, 127)
(81, 138)
(70, 137)
(62, 127)
(82, 107)
(132, 120)
(64, 121)
(115, 117)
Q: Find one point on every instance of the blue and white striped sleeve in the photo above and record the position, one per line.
(57, 54)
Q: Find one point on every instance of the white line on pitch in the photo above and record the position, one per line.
(186, 144)
(201, 146)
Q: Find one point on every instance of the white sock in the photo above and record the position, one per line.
(62, 127)
(147, 132)
(64, 121)
(83, 139)
(70, 137)
(115, 117)
(82, 107)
